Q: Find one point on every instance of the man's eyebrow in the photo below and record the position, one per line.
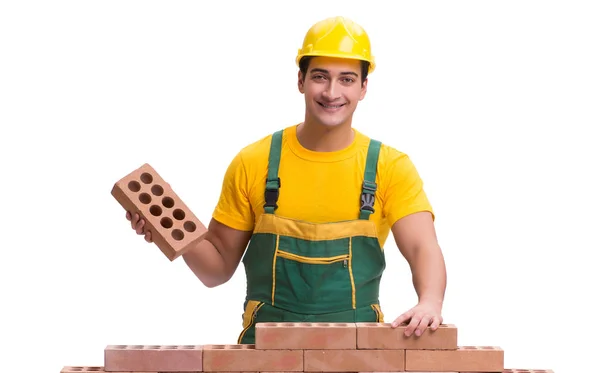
(327, 72)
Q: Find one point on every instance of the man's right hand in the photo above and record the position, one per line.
(137, 224)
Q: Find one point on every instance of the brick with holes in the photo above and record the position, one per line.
(527, 371)
(354, 360)
(478, 359)
(153, 358)
(382, 336)
(305, 336)
(175, 229)
(245, 357)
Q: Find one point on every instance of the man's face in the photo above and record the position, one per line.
(332, 89)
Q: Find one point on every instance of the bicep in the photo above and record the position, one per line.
(403, 193)
(231, 243)
(414, 232)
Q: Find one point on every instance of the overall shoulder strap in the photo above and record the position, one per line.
(273, 181)
(367, 198)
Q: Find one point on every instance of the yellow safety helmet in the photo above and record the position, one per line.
(337, 37)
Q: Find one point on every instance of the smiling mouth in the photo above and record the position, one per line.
(330, 106)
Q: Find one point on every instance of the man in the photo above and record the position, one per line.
(314, 204)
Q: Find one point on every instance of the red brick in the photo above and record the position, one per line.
(354, 360)
(307, 336)
(383, 336)
(245, 358)
(175, 229)
(147, 358)
(463, 359)
(528, 371)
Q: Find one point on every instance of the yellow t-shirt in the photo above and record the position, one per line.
(320, 187)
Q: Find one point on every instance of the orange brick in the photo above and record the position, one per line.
(144, 358)
(174, 227)
(92, 368)
(463, 359)
(244, 358)
(306, 336)
(383, 336)
(354, 360)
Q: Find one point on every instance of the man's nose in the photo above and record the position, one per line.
(332, 91)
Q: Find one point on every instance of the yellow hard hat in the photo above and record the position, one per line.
(337, 37)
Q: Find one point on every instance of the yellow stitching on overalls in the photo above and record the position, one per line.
(378, 312)
(312, 260)
(274, 266)
(351, 274)
(250, 321)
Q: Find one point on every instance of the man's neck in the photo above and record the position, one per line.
(320, 138)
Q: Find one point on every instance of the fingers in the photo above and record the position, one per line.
(419, 323)
(436, 322)
(423, 324)
(139, 227)
(412, 325)
(138, 224)
(402, 318)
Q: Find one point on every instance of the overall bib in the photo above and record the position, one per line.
(298, 271)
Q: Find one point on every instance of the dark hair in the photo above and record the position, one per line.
(305, 61)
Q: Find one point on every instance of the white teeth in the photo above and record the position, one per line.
(332, 106)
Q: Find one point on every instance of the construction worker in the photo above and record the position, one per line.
(308, 209)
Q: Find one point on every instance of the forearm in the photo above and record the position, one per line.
(207, 263)
(429, 275)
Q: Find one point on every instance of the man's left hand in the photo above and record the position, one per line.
(420, 317)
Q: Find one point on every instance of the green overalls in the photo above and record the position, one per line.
(299, 271)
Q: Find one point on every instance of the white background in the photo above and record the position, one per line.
(497, 103)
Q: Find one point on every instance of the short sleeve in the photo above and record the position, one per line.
(404, 193)
(233, 208)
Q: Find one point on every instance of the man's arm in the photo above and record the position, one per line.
(417, 241)
(215, 259)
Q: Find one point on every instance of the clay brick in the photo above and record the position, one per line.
(244, 357)
(174, 227)
(305, 336)
(96, 369)
(145, 358)
(463, 359)
(527, 371)
(354, 360)
(506, 370)
(383, 336)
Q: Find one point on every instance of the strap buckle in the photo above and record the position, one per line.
(367, 198)
(272, 192)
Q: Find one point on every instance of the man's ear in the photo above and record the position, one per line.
(300, 82)
(363, 90)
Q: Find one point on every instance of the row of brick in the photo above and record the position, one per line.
(100, 369)
(342, 336)
(247, 358)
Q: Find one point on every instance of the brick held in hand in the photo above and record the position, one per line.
(175, 229)
(153, 358)
(383, 336)
(305, 335)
